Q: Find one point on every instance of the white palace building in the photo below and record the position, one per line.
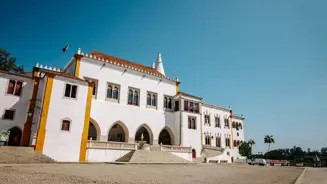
(99, 107)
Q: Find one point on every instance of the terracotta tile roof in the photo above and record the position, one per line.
(26, 74)
(63, 74)
(185, 94)
(124, 62)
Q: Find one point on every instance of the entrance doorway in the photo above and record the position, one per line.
(193, 153)
(14, 136)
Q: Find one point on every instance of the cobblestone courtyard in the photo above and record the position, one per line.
(104, 173)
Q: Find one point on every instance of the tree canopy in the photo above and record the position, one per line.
(245, 149)
(8, 63)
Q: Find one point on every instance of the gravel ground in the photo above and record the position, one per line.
(315, 176)
(105, 173)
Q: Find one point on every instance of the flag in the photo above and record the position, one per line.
(65, 48)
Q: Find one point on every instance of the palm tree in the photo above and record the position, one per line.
(268, 140)
(251, 142)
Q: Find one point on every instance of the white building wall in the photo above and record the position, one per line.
(65, 145)
(104, 155)
(106, 113)
(18, 103)
(212, 130)
(186, 156)
(191, 137)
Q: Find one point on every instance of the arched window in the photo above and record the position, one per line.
(130, 97)
(235, 143)
(238, 143)
(109, 91)
(240, 126)
(149, 99)
(115, 96)
(169, 103)
(136, 98)
(218, 144)
(233, 124)
(153, 100)
(65, 125)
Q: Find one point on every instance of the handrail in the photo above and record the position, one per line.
(111, 145)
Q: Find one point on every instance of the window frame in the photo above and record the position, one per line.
(195, 108)
(194, 127)
(69, 125)
(14, 88)
(70, 91)
(207, 137)
(217, 123)
(113, 86)
(207, 116)
(96, 86)
(171, 102)
(153, 96)
(4, 112)
(133, 96)
(218, 142)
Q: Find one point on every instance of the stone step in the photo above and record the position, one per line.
(15, 155)
(127, 157)
(144, 156)
(207, 153)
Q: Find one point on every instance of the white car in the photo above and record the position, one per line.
(258, 161)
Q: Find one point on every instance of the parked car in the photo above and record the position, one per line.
(258, 161)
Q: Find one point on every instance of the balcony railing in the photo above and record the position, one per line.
(111, 145)
(172, 148)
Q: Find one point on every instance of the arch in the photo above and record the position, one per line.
(147, 133)
(109, 91)
(166, 136)
(94, 131)
(118, 132)
(14, 136)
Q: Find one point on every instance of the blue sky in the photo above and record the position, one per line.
(266, 59)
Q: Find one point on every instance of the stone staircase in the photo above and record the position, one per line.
(18, 155)
(208, 152)
(126, 158)
(154, 156)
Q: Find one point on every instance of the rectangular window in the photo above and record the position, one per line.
(196, 108)
(65, 125)
(113, 92)
(226, 123)
(168, 102)
(191, 107)
(217, 122)
(185, 105)
(133, 96)
(177, 105)
(207, 120)
(9, 115)
(14, 87)
(151, 100)
(207, 140)
(227, 142)
(70, 91)
(192, 122)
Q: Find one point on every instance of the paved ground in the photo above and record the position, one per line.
(105, 173)
(315, 176)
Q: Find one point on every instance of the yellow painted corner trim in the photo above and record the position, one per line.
(177, 89)
(82, 154)
(77, 66)
(44, 114)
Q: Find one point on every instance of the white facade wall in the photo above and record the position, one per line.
(18, 103)
(223, 131)
(65, 145)
(107, 113)
(240, 132)
(104, 155)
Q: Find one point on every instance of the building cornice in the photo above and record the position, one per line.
(215, 106)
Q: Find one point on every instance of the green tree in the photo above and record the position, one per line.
(8, 63)
(245, 149)
(324, 151)
(269, 139)
(251, 142)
